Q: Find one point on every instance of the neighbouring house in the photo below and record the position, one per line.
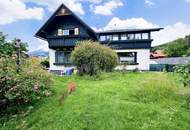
(64, 29)
(157, 54)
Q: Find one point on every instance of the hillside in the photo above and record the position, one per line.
(176, 48)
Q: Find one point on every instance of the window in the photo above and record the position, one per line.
(62, 57)
(60, 32)
(76, 31)
(102, 38)
(145, 36)
(128, 57)
(115, 37)
(137, 36)
(66, 32)
(123, 37)
(130, 36)
(109, 37)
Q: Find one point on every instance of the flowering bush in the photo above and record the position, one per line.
(29, 85)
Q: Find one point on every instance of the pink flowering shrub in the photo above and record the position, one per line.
(31, 84)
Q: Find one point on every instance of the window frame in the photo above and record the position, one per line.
(127, 55)
(65, 59)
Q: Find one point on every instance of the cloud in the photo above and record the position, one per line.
(149, 2)
(107, 8)
(74, 5)
(13, 10)
(170, 32)
(41, 45)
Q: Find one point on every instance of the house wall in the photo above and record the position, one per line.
(142, 58)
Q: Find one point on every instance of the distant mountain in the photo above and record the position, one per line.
(39, 53)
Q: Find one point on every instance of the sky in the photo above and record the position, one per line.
(22, 18)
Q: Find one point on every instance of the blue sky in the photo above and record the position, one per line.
(22, 18)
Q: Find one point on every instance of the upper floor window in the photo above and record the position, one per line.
(67, 32)
(60, 32)
(109, 37)
(123, 37)
(145, 36)
(115, 37)
(130, 36)
(102, 38)
(138, 36)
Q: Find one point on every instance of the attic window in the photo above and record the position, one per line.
(60, 32)
(68, 32)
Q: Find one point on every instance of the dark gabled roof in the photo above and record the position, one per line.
(41, 34)
(129, 30)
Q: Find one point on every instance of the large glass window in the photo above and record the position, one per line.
(137, 36)
(145, 36)
(102, 38)
(130, 36)
(62, 57)
(128, 57)
(124, 37)
(109, 37)
(115, 37)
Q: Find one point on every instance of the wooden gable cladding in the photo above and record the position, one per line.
(63, 12)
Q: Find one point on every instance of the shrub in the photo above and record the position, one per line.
(91, 57)
(184, 71)
(28, 86)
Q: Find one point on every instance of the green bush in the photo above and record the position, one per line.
(184, 71)
(91, 57)
(29, 85)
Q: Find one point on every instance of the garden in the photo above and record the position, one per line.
(101, 99)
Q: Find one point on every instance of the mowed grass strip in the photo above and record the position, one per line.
(115, 101)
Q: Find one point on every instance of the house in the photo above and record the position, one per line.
(157, 54)
(64, 29)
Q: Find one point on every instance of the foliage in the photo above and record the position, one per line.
(184, 71)
(45, 63)
(107, 104)
(8, 48)
(29, 85)
(176, 48)
(91, 57)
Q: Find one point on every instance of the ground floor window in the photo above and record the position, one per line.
(62, 57)
(128, 57)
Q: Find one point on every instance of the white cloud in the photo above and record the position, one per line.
(117, 23)
(107, 8)
(149, 2)
(170, 32)
(74, 5)
(13, 10)
(42, 45)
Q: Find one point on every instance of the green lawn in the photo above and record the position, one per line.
(117, 101)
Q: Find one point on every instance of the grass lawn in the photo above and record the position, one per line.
(117, 101)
